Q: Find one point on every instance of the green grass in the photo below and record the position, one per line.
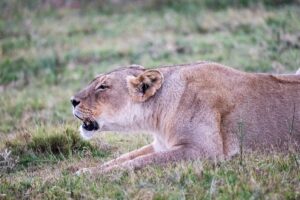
(274, 177)
(46, 55)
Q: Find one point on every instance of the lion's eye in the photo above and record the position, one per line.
(102, 87)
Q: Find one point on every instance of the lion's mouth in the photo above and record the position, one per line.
(89, 125)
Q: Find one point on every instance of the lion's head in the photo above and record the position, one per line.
(111, 101)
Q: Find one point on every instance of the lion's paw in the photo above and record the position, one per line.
(83, 171)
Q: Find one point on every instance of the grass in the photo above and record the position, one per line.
(275, 177)
(46, 55)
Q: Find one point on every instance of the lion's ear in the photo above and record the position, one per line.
(145, 85)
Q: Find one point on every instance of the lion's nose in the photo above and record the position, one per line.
(75, 102)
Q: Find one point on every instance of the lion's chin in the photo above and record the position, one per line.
(85, 134)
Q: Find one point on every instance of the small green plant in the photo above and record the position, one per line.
(40, 146)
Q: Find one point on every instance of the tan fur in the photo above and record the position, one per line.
(152, 78)
(200, 110)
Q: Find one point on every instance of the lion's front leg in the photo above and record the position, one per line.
(157, 158)
(148, 149)
(129, 156)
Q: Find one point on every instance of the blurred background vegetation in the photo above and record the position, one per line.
(49, 49)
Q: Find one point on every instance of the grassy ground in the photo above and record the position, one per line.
(45, 57)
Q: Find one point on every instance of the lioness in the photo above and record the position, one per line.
(199, 110)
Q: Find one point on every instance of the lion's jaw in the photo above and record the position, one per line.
(132, 117)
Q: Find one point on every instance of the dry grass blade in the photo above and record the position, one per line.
(7, 161)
